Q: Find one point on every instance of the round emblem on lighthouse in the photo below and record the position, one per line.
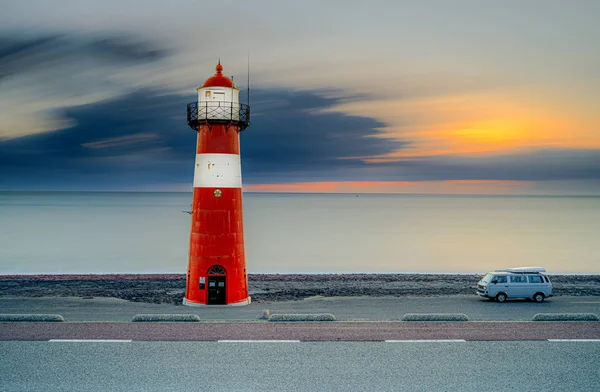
(218, 193)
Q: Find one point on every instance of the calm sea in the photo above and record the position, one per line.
(95, 232)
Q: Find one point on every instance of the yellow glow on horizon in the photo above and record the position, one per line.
(492, 132)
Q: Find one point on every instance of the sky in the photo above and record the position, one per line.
(432, 96)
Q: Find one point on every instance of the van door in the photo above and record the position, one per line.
(536, 284)
(518, 288)
(497, 285)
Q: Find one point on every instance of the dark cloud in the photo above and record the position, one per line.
(20, 54)
(533, 165)
(537, 165)
(12, 46)
(125, 49)
(292, 136)
(129, 140)
(142, 139)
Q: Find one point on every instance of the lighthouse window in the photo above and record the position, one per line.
(207, 94)
(216, 270)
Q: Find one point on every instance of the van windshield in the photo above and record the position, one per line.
(487, 278)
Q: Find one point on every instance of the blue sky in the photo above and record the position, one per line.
(381, 96)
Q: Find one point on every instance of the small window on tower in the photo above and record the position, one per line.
(207, 94)
(216, 270)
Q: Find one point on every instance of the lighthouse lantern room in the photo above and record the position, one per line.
(216, 272)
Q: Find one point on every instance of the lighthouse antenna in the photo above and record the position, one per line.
(248, 93)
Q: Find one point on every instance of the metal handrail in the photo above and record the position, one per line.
(218, 112)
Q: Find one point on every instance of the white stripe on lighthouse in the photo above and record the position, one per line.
(218, 171)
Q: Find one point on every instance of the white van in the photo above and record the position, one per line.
(522, 282)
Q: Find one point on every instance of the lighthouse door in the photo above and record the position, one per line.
(216, 290)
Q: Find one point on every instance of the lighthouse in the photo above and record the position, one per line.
(216, 273)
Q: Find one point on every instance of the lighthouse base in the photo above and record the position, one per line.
(245, 302)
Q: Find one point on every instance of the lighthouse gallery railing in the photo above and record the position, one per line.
(218, 111)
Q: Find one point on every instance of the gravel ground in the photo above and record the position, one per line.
(170, 289)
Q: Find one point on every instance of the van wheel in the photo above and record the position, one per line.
(538, 297)
(501, 297)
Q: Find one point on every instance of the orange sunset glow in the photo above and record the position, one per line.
(477, 125)
(448, 187)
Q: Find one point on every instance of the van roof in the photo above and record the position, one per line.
(523, 270)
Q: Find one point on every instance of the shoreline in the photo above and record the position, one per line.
(257, 275)
(170, 288)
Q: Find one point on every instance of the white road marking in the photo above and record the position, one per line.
(90, 340)
(574, 340)
(428, 341)
(258, 341)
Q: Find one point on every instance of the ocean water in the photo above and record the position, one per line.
(96, 232)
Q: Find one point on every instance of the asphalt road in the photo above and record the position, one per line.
(317, 366)
(344, 308)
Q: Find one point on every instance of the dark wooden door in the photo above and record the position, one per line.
(216, 290)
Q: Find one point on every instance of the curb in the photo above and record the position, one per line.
(153, 318)
(435, 317)
(301, 317)
(32, 317)
(266, 313)
(566, 317)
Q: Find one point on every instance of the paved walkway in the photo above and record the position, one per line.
(311, 332)
(76, 309)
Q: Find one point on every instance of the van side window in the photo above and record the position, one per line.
(500, 279)
(535, 279)
(518, 279)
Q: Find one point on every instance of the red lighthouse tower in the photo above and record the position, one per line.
(217, 263)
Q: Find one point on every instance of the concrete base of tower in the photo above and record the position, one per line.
(245, 302)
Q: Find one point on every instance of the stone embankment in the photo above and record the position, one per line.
(263, 288)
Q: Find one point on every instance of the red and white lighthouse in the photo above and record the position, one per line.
(217, 263)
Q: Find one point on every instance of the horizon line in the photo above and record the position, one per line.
(311, 193)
